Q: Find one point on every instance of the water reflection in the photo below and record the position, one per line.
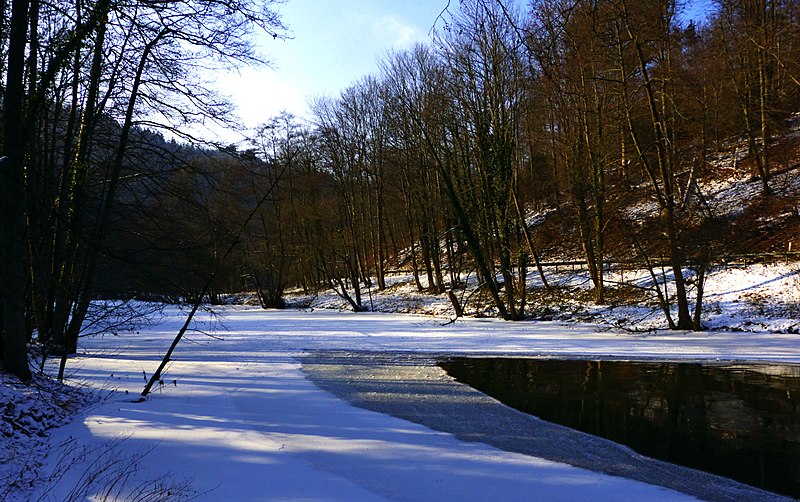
(739, 421)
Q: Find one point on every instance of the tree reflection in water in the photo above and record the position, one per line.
(736, 420)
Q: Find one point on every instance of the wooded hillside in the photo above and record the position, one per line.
(564, 129)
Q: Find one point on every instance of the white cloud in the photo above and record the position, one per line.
(263, 93)
(403, 35)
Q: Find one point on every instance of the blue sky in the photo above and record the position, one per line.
(333, 44)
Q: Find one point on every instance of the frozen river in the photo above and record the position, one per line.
(258, 405)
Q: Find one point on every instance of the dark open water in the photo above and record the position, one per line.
(736, 420)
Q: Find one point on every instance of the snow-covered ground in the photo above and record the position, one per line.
(756, 298)
(237, 419)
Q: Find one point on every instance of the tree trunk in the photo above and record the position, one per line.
(12, 198)
(661, 177)
(529, 242)
(83, 299)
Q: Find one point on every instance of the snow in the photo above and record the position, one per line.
(237, 419)
(756, 298)
(27, 413)
(243, 423)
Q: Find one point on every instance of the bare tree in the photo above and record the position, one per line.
(94, 72)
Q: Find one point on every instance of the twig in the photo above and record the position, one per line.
(207, 286)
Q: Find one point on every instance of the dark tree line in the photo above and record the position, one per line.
(437, 161)
(82, 80)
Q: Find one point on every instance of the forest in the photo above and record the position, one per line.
(442, 163)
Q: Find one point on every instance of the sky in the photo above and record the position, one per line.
(332, 44)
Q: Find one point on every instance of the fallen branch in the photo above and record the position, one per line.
(156, 377)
